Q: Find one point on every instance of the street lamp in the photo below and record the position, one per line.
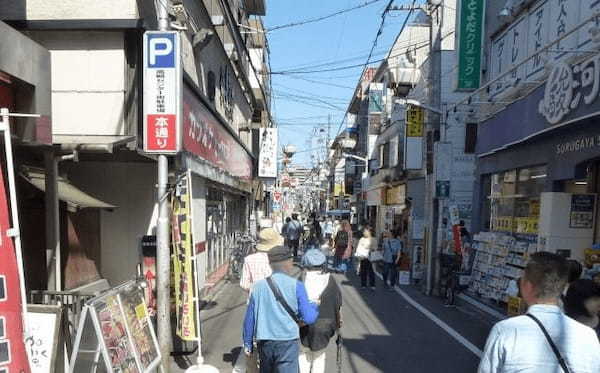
(346, 155)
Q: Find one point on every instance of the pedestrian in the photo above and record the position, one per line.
(256, 267)
(575, 271)
(294, 232)
(392, 248)
(322, 289)
(343, 247)
(545, 339)
(278, 304)
(328, 230)
(582, 303)
(366, 245)
(315, 225)
(284, 231)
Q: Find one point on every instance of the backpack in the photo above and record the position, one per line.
(341, 239)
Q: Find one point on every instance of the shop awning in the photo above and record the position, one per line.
(92, 142)
(67, 192)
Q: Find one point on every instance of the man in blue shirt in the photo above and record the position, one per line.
(392, 249)
(267, 321)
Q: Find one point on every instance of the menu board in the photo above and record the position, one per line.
(139, 327)
(117, 327)
(582, 211)
(115, 335)
(42, 340)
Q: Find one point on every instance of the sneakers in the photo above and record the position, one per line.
(373, 288)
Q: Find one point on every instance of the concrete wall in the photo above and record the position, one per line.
(88, 81)
(131, 187)
(213, 58)
(68, 9)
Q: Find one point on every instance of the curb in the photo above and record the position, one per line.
(470, 301)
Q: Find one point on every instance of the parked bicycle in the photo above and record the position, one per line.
(244, 245)
(452, 279)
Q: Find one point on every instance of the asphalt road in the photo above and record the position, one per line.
(384, 331)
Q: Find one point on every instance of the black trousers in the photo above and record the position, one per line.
(366, 272)
(294, 244)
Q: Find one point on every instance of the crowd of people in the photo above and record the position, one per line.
(291, 319)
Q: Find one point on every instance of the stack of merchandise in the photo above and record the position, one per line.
(499, 258)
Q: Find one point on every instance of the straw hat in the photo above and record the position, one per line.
(267, 239)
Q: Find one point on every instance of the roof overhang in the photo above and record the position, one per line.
(100, 144)
(75, 198)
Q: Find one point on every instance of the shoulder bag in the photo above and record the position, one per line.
(561, 360)
(282, 301)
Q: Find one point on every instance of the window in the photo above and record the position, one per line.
(470, 138)
(384, 155)
(513, 200)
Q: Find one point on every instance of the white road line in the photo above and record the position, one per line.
(453, 333)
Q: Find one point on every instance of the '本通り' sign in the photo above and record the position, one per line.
(469, 49)
(162, 92)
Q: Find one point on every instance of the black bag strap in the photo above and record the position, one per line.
(561, 360)
(282, 301)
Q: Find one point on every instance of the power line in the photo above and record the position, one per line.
(417, 46)
(317, 82)
(321, 18)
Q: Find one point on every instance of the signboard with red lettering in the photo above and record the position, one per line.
(13, 357)
(162, 92)
(205, 137)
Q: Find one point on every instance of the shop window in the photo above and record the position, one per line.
(513, 204)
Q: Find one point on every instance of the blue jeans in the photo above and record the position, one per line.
(279, 356)
(390, 272)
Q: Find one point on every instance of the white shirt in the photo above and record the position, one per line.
(315, 283)
(518, 344)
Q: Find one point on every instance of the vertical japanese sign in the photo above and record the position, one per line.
(162, 92)
(413, 139)
(12, 349)
(469, 47)
(183, 263)
(267, 160)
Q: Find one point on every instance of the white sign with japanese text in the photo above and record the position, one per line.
(162, 92)
(267, 160)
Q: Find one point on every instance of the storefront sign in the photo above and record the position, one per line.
(413, 139)
(396, 195)
(469, 49)
(205, 137)
(375, 98)
(442, 189)
(162, 92)
(267, 161)
(582, 211)
(12, 350)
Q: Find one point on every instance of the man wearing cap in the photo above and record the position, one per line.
(267, 320)
(256, 266)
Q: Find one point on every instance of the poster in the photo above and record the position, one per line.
(139, 326)
(267, 160)
(149, 271)
(582, 211)
(12, 350)
(114, 334)
(183, 266)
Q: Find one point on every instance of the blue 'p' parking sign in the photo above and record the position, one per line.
(161, 50)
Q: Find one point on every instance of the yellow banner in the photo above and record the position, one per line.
(183, 267)
(415, 119)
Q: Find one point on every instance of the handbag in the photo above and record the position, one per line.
(362, 251)
(561, 361)
(376, 256)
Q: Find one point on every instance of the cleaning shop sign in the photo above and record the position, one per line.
(578, 145)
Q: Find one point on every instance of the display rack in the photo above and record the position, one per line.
(499, 258)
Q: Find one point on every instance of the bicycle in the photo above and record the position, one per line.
(244, 245)
(451, 277)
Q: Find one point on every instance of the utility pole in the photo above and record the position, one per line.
(163, 253)
(436, 14)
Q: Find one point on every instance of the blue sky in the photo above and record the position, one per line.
(337, 42)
